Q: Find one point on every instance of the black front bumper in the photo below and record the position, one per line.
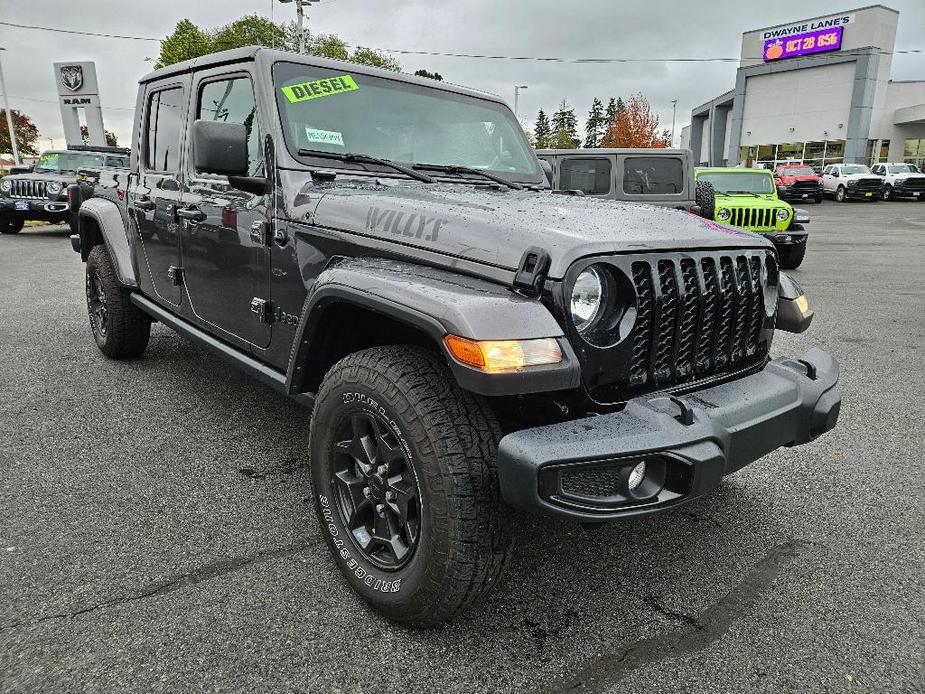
(39, 209)
(786, 193)
(579, 469)
(787, 238)
(863, 194)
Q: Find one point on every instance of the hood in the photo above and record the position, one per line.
(738, 200)
(858, 176)
(496, 227)
(813, 178)
(64, 179)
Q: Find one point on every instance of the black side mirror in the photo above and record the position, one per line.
(220, 148)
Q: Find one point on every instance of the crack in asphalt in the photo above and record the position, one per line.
(203, 573)
(700, 631)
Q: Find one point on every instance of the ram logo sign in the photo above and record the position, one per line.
(72, 77)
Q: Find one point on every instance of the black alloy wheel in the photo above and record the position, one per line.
(376, 490)
(96, 306)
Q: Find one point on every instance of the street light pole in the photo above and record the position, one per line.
(9, 116)
(300, 19)
(517, 89)
(674, 110)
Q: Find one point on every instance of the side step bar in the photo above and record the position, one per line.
(270, 376)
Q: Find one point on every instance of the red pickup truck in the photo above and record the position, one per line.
(797, 182)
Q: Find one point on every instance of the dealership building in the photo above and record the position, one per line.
(816, 91)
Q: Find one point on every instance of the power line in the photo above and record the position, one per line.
(402, 51)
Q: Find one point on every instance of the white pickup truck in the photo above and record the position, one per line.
(845, 181)
(901, 180)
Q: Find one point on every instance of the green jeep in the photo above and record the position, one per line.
(747, 198)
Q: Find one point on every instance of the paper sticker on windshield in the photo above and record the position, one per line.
(328, 137)
(315, 89)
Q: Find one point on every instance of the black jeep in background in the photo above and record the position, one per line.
(385, 250)
(40, 193)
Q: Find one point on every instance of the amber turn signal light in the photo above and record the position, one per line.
(802, 303)
(503, 355)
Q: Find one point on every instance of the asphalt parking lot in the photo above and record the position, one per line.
(156, 534)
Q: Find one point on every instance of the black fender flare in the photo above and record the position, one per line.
(107, 218)
(437, 303)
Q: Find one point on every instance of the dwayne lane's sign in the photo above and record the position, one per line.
(819, 41)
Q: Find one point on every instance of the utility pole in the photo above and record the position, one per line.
(300, 19)
(9, 116)
(674, 111)
(517, 89)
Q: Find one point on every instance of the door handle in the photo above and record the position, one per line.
(144, 203)
(191, 214)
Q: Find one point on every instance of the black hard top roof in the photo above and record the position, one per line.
(271, 55)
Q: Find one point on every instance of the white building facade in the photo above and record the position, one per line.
(816, 91)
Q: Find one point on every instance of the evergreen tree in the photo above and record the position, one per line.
(594, 126)
(541, 131)
(610, 115)
(565, 128)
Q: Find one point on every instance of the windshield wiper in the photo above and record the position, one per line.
(456, 170)
(351, 158)
(742, 192)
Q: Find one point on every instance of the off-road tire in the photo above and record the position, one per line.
(791, 257)
(887, 192)
(840, 194)
(705, 196)
(451, 438)
(126, 329)
(818, 199)
(11, 226)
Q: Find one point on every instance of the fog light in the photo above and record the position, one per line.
(637, 475)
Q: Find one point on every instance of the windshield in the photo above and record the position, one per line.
(855, 169)
(728, 182)
(334, 111)
(904, 168)
(797, 171)
(67, 162)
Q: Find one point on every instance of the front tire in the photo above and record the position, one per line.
(888, 192)
(791, 257)
(121, 330)
(11, 226)
(840, 194)
(406, 489)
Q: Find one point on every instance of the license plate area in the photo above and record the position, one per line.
(21, 205)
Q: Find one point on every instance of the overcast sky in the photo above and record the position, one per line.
(576, 29)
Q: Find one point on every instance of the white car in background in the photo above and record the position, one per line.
(845, 181)
(901, 180)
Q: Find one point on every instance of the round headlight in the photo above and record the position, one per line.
(723, 215)
(587, 296)
(5, 185)
(54, 187)
(783, 213)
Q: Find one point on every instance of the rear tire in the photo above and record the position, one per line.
(791, 257)
(11, 226)
(705, 196)
(121, 330)
(398, 449)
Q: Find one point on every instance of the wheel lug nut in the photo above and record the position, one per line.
(390, 496)
(366, 492)
(380, 509)
(382, 469)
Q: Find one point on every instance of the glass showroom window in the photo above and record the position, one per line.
(914, 151)
(790, 152)
(766, 156)
(814, 155)
(834, 152)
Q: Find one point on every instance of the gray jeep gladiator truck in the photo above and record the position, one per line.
(385, 249)
(40, 192)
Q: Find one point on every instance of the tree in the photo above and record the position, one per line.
(541, 131)
(594, 125)
(432, 75)
(664, 140)
(189, 41)
(635, 126)
(564, 128)
(26, 134)
(111, 139)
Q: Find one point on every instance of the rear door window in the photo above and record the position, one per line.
(653, 176)
(591, 176)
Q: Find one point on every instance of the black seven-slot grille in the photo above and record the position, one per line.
(753, 217)
(697, 318)
(27, 188)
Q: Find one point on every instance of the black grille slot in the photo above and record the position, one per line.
(697, 318)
